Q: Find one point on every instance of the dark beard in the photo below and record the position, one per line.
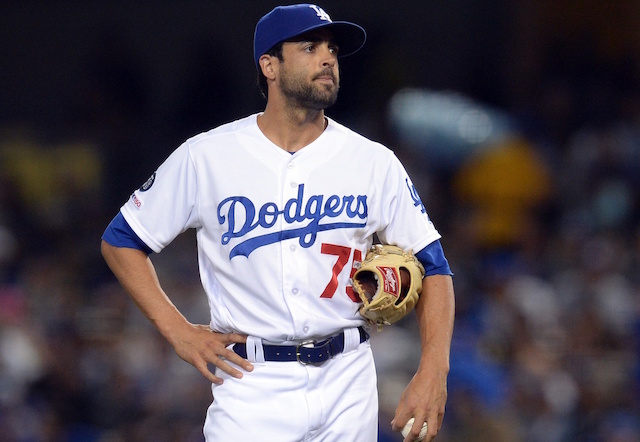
(309, 97)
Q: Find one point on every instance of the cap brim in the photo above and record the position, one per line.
(349, 37)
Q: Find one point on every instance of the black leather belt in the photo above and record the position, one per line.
(309, 352)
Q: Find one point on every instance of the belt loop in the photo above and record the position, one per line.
(351, 339)
(255, 351)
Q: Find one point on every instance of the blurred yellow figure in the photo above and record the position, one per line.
(503, 185)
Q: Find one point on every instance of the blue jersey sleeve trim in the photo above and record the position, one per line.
(433, 259)
(120, 234)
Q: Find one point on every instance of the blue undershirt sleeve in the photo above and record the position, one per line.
(120, 234)
(433, 259)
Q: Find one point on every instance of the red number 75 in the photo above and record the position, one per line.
(343, 253)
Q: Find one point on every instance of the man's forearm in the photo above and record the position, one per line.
(138, 277)
(435, 311)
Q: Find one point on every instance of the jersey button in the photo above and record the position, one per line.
(290, 165)
(292, 184)
(294, 291)
(292, 247)
(306, 329)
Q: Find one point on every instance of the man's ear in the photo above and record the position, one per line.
(266, 65)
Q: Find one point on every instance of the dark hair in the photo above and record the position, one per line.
(275, 51)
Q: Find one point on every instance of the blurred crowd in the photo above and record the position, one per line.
(540, 226)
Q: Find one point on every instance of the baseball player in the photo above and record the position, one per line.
(285, 204)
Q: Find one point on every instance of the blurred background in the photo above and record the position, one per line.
(518, 120)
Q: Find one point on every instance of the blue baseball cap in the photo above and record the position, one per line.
(286, 22)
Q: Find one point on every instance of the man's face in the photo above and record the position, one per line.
(309, 75)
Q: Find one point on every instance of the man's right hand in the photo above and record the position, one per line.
(201, 346)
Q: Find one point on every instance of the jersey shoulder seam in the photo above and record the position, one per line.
(234, 126)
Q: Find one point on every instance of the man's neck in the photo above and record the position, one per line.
(290, 129)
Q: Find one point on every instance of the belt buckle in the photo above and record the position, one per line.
(311, 344)
(304, 344)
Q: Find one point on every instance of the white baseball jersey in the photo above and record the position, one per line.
(280, 234)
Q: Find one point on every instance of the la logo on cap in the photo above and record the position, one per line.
(323, 15)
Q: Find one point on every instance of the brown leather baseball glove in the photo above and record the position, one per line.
(389, 282)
